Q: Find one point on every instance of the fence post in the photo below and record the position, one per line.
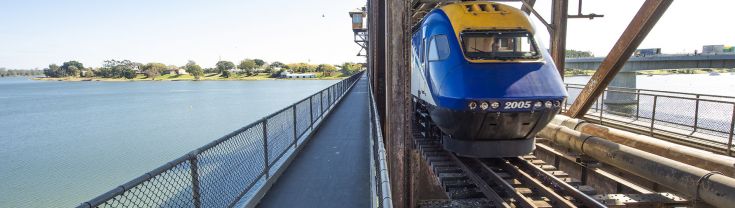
(295, 134)
(321, 103)
(732, 128)
(265, 148)
(311, 113)
(653, 114)
(637, 103)
(696, 114)
(566, 86)
(598, 102)
(602, 105)
(195, 190)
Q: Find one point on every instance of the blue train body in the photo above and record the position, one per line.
(487, 106)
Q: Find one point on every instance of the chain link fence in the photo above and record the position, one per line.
(226, 171)
(709, 118)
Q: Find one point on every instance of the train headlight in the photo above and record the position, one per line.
(473, 105)
(537, 104)
(495, 105)
(483, 105)
(547, 104)
(557, 103)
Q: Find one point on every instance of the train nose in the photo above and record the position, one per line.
(490, 134)
(480, 125)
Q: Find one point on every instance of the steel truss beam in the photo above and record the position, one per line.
(637, 30)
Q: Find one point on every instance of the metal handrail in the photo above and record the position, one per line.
(659, 91)
(118, 194)
(385, 199)
(676, 120)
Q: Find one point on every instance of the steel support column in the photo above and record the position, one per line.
(398, 101)
(559, 15)
(642, 23)
(376, 53)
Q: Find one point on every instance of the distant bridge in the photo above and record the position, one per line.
(640, 63)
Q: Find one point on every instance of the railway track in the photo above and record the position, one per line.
(502, 182)
(498, 182)
(528, 181)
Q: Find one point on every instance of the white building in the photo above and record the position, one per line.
(289, 75)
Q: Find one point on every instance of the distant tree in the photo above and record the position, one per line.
(52, 71)
(297, 67)
(153, 70)
(226, 73)
(128, 73)
(88, 72)
(311, 68)
(349, 68)
(224, 66)
(117, 69)
(247, 65)
(71, 68)
(259, 62)
(277, 64)
(268, 68)
(577, 54)
(195, 70)
(326, 69)
(4, 72)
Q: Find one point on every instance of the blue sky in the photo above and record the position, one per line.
(35, 33)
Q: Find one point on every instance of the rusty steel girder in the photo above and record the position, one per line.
(711, 187)
(637, 30)
(689, 155)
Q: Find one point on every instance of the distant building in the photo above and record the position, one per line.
(713, 48)
(289, 75)
(647, 52)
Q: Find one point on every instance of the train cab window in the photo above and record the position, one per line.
(499, 45)
(438, 48)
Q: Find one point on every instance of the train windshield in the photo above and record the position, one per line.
(499, 45)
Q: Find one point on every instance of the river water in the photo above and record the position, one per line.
(62, 143)
(724, 84)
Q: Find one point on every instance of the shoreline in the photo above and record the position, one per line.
(98, 79)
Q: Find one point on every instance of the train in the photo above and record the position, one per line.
(483, 80)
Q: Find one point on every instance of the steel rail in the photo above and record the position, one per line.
(527, 179)
(568, 189)
(477, 180)
(508, 189)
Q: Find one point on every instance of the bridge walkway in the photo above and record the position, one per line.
(333, 169)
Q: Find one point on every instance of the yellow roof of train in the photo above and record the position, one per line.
(480, 15)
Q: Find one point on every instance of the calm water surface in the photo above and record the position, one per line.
(724, 84)
(62, 143)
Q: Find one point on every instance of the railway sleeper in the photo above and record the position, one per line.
(563, 176)
(461, 203)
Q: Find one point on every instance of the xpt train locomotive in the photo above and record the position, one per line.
(484, 81)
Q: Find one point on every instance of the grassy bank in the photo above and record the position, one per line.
(186, 77)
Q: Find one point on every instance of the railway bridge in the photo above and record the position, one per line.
(358, 144)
